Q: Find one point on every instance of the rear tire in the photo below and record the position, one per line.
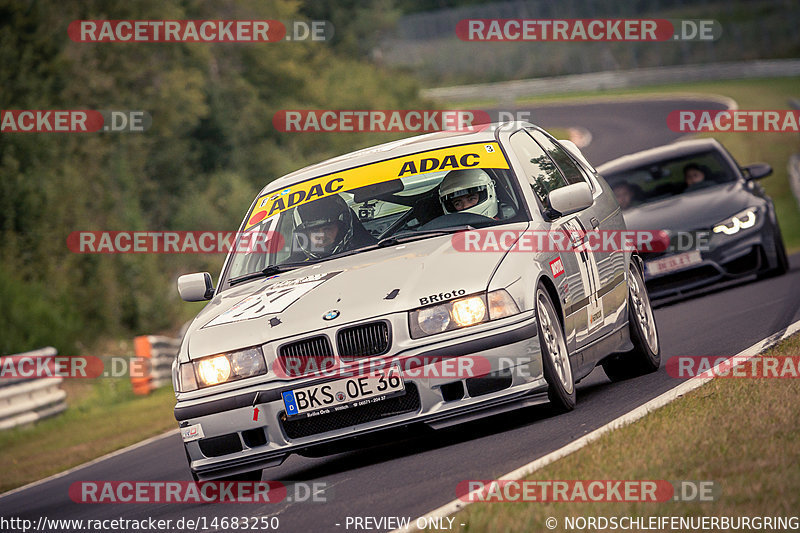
(555, 357)
(646, 354)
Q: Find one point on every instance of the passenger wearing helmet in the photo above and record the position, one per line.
(468, 191)
(328, 226)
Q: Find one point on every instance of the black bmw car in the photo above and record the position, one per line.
(721, 223)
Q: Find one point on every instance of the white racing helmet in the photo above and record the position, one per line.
(464, 182)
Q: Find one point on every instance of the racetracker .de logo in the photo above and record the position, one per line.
(765, 367)
(599, 490)
(587, 30)
(467, 366)
(173, 31)
(198, 31)
(740, 120)
(565, 241)
(177, 242)
(378, 120)
(177, 492)
(73, 120)
(72, 366)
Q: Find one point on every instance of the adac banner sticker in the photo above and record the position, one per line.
(274, 298)
(477, 155)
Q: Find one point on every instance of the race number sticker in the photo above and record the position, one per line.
(590, 275)
(272, 299)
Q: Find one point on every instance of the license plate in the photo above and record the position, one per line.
(672, 263)
(344, 394)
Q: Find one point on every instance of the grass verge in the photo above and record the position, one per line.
(91, 426)
(741, 434)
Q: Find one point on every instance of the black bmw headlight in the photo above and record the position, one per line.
(742, 220)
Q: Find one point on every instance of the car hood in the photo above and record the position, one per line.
(695, 210)
(360, 287)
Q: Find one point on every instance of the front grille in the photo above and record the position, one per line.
(364, 340)
(307, 356)
(684, 278)
(303, 427)
(222, 445)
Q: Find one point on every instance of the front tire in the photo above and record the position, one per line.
(780, 251)
(646, 354)
(555, 357)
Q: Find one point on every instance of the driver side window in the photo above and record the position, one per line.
(541, 172)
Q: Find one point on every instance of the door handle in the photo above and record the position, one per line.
(595, 222)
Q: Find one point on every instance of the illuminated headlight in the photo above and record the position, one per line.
(461, 313)
(221, 368)
(745, 219)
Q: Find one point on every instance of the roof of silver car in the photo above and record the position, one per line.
(373, 154)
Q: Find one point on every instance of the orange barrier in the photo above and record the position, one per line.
(142, 348)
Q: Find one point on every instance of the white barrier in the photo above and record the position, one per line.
(24, 401)
(161, 352)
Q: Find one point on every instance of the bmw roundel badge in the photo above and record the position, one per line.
(330, 315)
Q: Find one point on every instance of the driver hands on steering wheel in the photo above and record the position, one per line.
(468, 191)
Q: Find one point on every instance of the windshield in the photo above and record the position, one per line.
(410, 197)
(657, 181)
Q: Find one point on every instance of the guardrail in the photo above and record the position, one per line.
(160, 351)
(505, 91)
(26, 400)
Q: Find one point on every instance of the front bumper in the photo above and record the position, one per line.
(729, 258)
(236, 439)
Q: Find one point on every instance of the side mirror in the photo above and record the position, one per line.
(572, 198)
(756, 171)
(196, 287)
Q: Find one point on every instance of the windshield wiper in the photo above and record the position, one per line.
(269, 271)
(422, 234)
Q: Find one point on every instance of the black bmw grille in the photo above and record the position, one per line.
(304, 427)
(364, 340)
(307, 356)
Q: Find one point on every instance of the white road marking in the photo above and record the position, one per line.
(624, 420)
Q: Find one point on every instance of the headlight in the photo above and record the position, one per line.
(745, 219)
(461, 313)
(433, 319)
(469, 311)
(221, 369)
(214, 370)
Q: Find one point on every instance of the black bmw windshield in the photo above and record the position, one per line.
(657, 181)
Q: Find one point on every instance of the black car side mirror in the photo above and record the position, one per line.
(756, 171)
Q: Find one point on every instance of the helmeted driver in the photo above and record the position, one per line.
(468, 191)
(327, 226)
